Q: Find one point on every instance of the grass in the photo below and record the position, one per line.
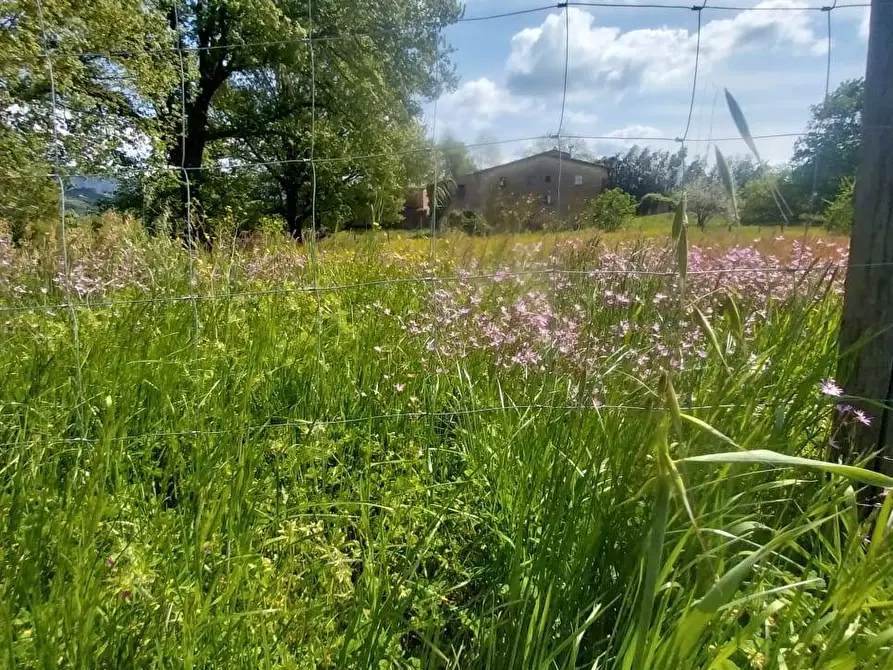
(473, 473)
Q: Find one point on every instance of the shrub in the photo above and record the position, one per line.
(611, 210)
(838, 215)
(759, 206)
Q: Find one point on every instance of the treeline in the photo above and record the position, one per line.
(815, 186)
(221, 103)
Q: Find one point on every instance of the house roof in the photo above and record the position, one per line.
(564, 156)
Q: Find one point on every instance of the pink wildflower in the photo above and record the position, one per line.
(862, 417)
(830, 388)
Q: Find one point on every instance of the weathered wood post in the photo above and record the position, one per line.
(868, 303)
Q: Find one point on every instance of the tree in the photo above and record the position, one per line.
(829, 150)
(610, 210)
(488, 152)
(454, 159)
(758, 202)
(99, 80)
(744, 169)
(229, 79)
(641, 170)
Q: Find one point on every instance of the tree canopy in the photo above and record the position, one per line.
(829, 151)
(222, 90)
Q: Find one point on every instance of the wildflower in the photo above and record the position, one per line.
(399, 387)
(830, 388)
(110, 561)
(377, 349)
(862, 417)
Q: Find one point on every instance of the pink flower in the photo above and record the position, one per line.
(399, 387)
(830, 388)
(862, 417)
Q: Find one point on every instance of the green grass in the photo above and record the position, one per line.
(322, 485)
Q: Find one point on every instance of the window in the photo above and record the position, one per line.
(548, 198)
(502, 182)
(548, 178)
(460, 190)
(578, 180)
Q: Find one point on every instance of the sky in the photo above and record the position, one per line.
(630, 72)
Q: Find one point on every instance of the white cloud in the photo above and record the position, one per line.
(635, 131)
(604, 58)
(578, 119)
(478, 103)
(865, 23)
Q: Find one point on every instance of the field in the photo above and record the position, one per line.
(269, 457)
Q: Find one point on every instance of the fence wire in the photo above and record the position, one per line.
(52, 52)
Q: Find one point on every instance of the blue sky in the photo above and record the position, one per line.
(630, 73)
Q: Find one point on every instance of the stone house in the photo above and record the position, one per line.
(540, 175)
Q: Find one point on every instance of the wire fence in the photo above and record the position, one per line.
(54, 51)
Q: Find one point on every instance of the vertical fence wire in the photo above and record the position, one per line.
(63, 231)
(187, 186)
(435, 154)
(567, 48)
(699, 10)
(816, 202)
(314, 236)
(182, 49)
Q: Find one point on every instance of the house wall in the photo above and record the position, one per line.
(537, 175)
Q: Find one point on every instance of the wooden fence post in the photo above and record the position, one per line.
(867, 370)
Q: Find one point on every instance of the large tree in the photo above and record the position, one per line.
(454, 158)
(829, 150)
(177, 78)
(108, 60)
(642, 170)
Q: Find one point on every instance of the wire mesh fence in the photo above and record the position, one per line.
(57, 53)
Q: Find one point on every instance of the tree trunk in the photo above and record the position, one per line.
(866, 334)
(293, 218)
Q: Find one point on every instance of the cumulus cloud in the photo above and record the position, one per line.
(635, 131)
(478, 103)
(574, 118)
(605, 58)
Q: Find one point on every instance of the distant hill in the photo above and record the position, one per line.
(87, 194)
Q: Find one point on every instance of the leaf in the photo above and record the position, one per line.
(672, 403)
(682, 258)
(710, 333)
(741, 122)
(722, 591)
(728, 181)
(652, 566)
(680, 219)
(734, 317)
(707, 428)
(765, 456)
(880, 526)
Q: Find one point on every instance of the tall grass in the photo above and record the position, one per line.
(474, 473)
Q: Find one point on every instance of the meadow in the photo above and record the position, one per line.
(388, 451)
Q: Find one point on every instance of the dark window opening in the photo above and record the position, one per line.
(460, 190)
(548, 178)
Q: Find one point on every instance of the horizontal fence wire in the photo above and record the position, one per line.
(276, 423)
(131, 170)
(123, 170)
(56, 53)
(494, 276)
